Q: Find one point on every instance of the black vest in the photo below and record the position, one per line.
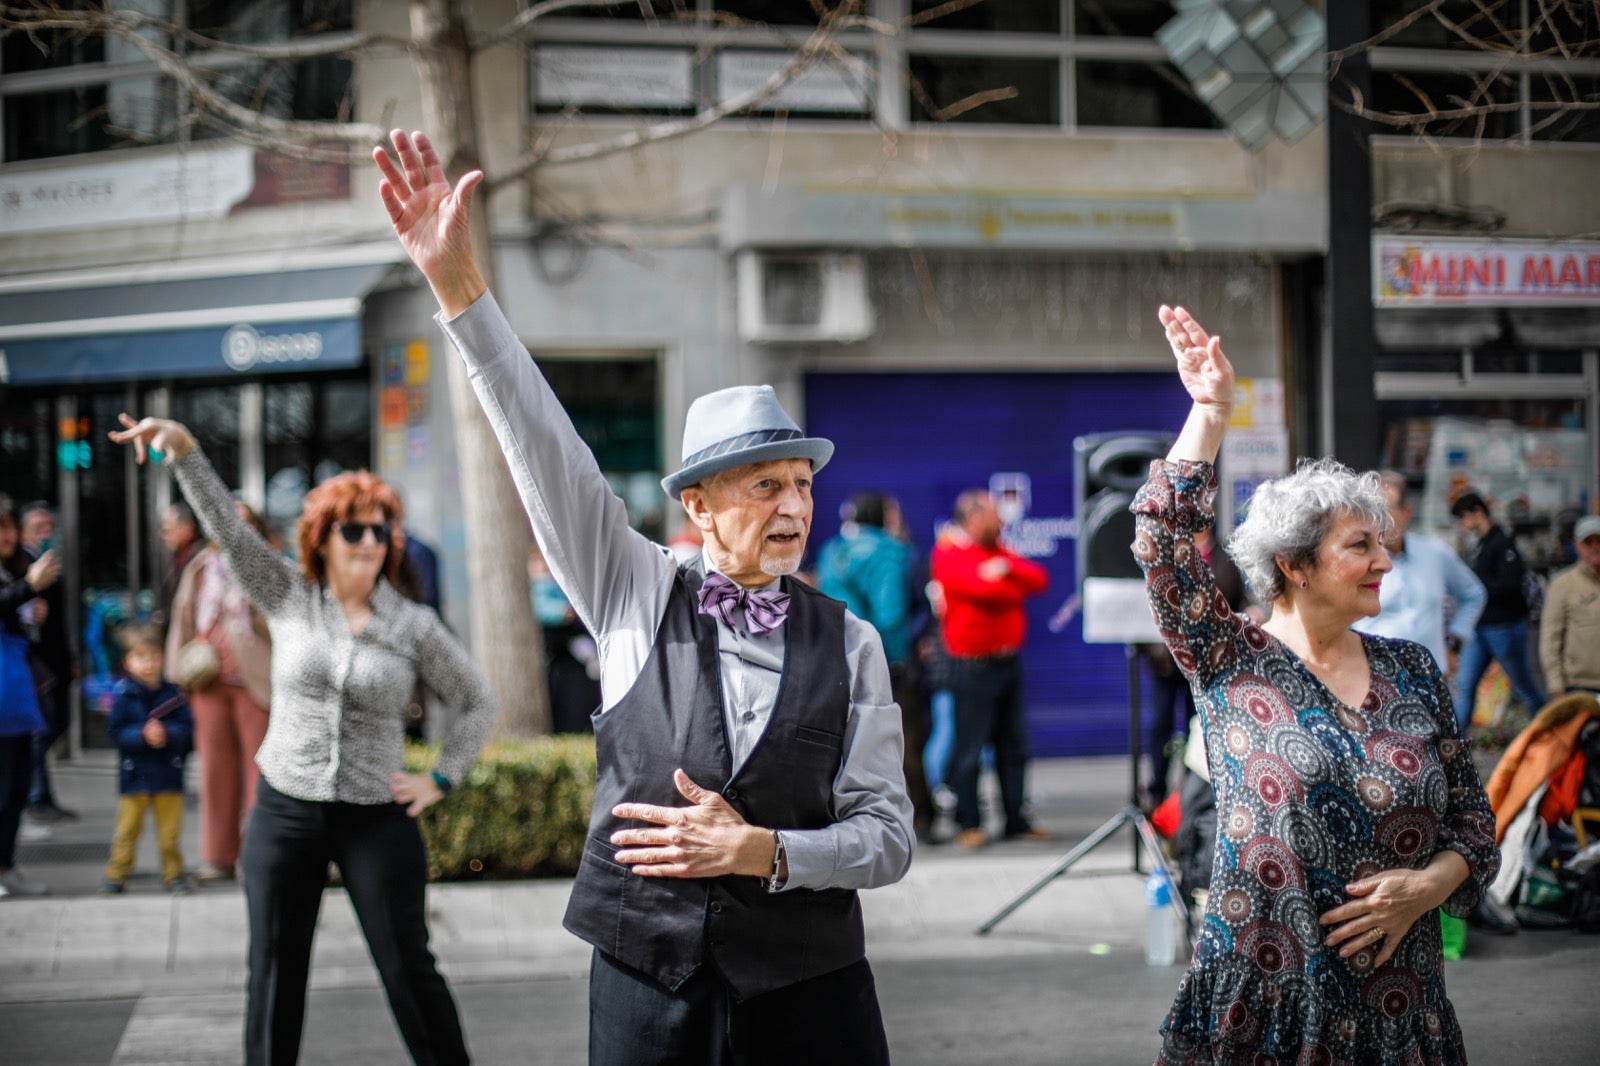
(667, 928)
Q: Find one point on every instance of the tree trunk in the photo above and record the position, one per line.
(507, 642)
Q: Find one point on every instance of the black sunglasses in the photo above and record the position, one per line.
(352, 532)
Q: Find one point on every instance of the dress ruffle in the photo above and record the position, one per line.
(1229, 1012)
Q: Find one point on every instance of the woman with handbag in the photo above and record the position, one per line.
(220, 654)
(347, 650)
(22, 578)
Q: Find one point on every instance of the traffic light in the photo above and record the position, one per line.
(1108, 469)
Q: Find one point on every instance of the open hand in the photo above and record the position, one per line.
(153, 434)
(1204, 370)
(431, 218)
(708, 839)
(40, 576)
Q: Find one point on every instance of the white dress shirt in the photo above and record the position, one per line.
(1412, 597)
(619, 583)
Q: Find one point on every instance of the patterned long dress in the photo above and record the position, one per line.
(1312, 794)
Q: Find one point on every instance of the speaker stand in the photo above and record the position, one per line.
(1131, 814)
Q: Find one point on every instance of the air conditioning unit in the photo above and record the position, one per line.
(794, 298)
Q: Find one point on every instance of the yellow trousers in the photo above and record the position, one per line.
(168, 807)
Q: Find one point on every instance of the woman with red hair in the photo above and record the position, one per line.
(347, 650)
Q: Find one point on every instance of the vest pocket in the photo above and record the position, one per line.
(821, 738)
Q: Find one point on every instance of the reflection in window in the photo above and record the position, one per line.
(1552, 116)
(1459, 101)
(938, 82)
(1040, 16)
(1120, 18)
(212, 415)
(1139, 95)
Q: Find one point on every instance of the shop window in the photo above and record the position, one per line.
(1531, 458)
(28, 443)
(21, 52)
(310, 431)
(1478, 20)
(1120, 18)
(1141, 95)
(1420, 94)
(242, 21)
(937, 81)
(141, 108)
(1552, 114)
(769, 12)
(615, 405)
(1039, 16)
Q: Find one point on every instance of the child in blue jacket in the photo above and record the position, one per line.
(151, 727)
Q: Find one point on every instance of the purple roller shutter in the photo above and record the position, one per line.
(922, 438)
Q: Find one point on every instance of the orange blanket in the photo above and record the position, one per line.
(1537, 752)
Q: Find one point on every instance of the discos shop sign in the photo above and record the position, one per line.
(244, 346)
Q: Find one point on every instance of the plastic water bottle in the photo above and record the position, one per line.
(1160, 941)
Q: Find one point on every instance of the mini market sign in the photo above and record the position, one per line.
(1441, 272)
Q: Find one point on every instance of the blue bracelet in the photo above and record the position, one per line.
(443, 782)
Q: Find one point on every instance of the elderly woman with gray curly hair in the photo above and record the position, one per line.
(1348, 808)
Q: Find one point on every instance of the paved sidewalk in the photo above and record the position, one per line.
(147, 979)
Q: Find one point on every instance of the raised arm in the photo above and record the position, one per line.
(265, 575)
(1208, 377)
(612, 575)
(1192, 614)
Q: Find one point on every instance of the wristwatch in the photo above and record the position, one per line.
(1453, 642)
(779, 855)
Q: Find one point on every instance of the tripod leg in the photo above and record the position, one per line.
(1152, 844)
(1089, 843)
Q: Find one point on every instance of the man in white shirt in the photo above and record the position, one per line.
(1413, 595)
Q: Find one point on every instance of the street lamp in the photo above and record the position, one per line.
(1259, 65)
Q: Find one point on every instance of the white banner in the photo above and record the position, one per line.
(821, 88)
(1445, 272)
(155, 187)
(575, 75)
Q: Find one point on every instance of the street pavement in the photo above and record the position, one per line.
(148, 979)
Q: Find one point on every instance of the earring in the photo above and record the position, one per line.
(1304, 583)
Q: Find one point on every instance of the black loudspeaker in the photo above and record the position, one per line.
(1108, 468)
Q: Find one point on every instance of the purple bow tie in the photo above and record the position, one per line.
(764, 609)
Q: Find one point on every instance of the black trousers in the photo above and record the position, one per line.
(55, 705)
(288, 845)
(988, 711)
(831, 1020)
(16, 767)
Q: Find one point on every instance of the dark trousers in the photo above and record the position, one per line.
(287, 847)
(16, 766)
(54, 705)
(988, 711)
(1171, 708)
(908, 694)
(831, 1020)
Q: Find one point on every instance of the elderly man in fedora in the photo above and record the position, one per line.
(749, 749)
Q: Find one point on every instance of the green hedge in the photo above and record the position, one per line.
(523, 811)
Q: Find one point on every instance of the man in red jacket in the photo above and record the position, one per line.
(983, 586)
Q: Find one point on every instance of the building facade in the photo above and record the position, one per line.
(943, 245)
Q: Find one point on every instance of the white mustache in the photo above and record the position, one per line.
(778, 529)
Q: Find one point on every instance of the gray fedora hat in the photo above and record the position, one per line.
(733, 427)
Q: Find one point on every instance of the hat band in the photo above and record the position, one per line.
(743, 442)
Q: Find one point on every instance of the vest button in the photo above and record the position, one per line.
(716, 908)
